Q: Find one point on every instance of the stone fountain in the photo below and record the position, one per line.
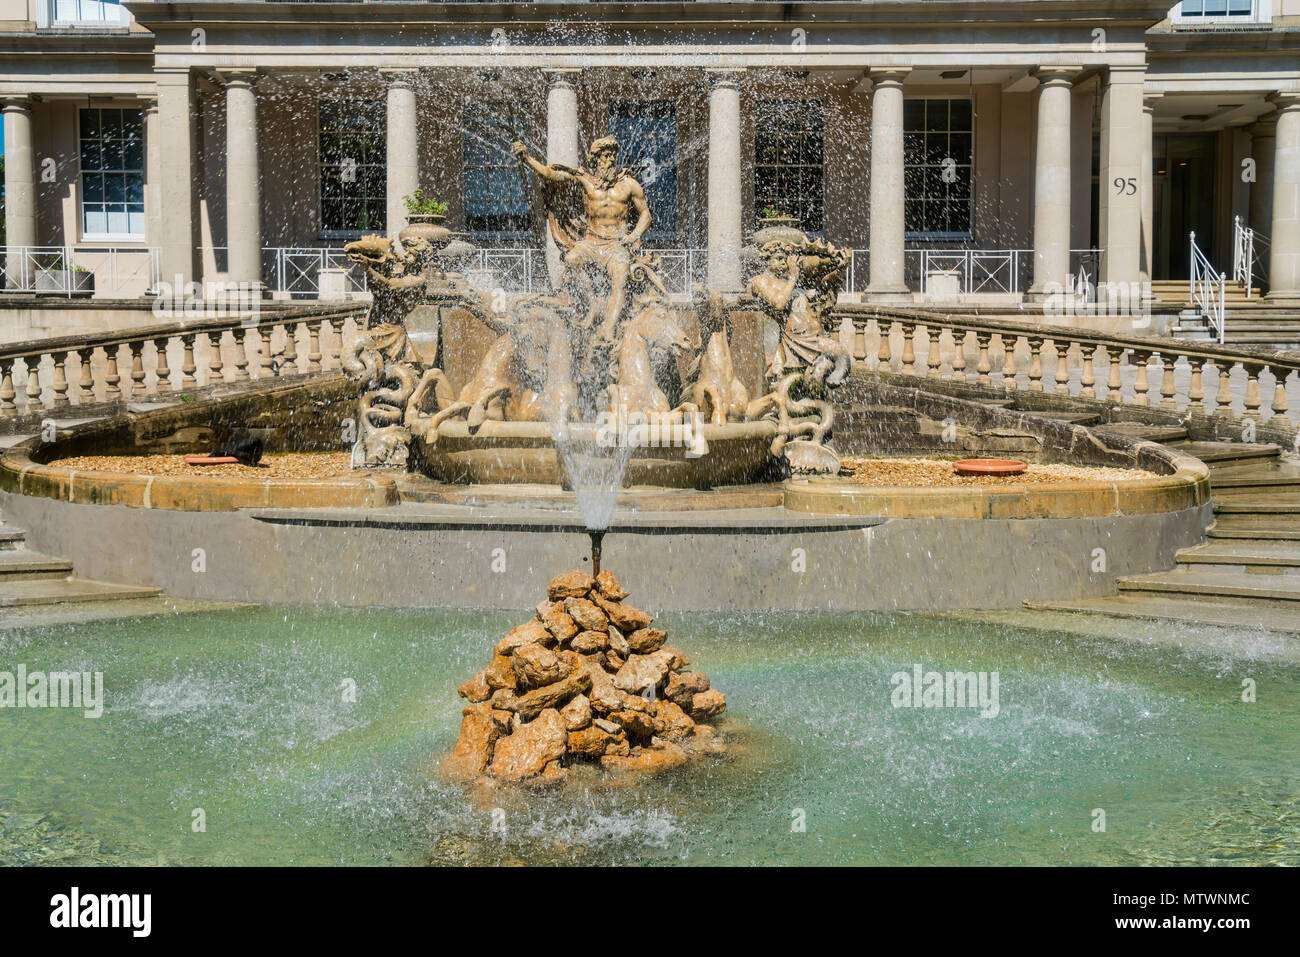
(601, 381)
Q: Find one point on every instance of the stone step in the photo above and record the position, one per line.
(16, 563)
(1224, 453)
(1227, 587)
(1243, 553)
(1164, 434)
(1074, 418)
(11, 537)
(1273, 616)
(52, 592)
(1263, 534)
(1266, 475)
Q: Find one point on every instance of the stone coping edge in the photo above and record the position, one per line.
(1189, 487)
(21, 475)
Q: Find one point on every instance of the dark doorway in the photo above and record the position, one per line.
(1183, 201)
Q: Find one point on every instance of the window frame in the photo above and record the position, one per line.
(1261, 11)
(129, 238)
(949, 235)
(760, 202)
(379, 105)
(656, 234)
(489, 113)
(47, 17)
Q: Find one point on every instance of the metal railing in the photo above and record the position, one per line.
(996, 271)
(79, 270)
(1206, 289)
(1248, 260)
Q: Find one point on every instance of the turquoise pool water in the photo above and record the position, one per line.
(244, 715)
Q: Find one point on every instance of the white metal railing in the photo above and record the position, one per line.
(298, 270)
(1248, 260)
(998, 271)
(79, 270)
(1206, 289)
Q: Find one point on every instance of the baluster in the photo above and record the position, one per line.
(982, 366)
(265, 359)
(7, 404)
(1115, 382)
(61, 400)
(909, 353)
(859, 341)
(1087, 379)
(959, 355)
(290, 363)
(163, 373)
(216, 365)
(137, 368)
(1224, 397)
(933, 351)
(188, 368)
(1008, 360)
(313, 357)
(111, 378)
(1253, 402)
(87, 382)
(1141, 387)
(241, 354)
(883, 357)
(1279, 399)
(1062, 369)
(336, 349)
(1035, 364)
(1196, 391)
(1168, 394)
(33, 364)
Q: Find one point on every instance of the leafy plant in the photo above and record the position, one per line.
(417, 204)
(773, 212)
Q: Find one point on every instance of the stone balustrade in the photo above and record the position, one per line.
(68, 374)
(1184, 378)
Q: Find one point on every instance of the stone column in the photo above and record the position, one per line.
(887, 230)
(1263, 143)
(243, 187)
(403, 148)
(1119, 231)
(20, 174)
(561, 143)
(153, 152)
(1052, 184)
(1284, 240)
(725, 204)
(1147, 185)
(176, 127)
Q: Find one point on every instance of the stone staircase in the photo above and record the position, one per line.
(1248, 572)
(30, 578)
(1247, 320)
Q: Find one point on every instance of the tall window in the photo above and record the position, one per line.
(789, 161)
(937, 151)
(353, 165)
(496, 192)
(647, 132)
(106, 12)
(112, 173)
(1207, 9)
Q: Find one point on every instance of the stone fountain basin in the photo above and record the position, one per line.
(509, 453)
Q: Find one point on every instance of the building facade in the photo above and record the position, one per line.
(1015, 143)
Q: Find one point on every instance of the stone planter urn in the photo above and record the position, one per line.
(430, 226)
(81, 283)
(778, 229)
(943, 284)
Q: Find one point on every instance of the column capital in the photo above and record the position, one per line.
(724, 76)
(236, 77)
(1126, 73)
(1287, 101)
(16, 101)
(888, 75)
(1264, 127)
(404, 78)
(1048, 74)
(1149, 101)
(564, 78)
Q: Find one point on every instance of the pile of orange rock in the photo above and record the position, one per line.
(587, 678)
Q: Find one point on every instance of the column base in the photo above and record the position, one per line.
(1283, 297)
(888, 294)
